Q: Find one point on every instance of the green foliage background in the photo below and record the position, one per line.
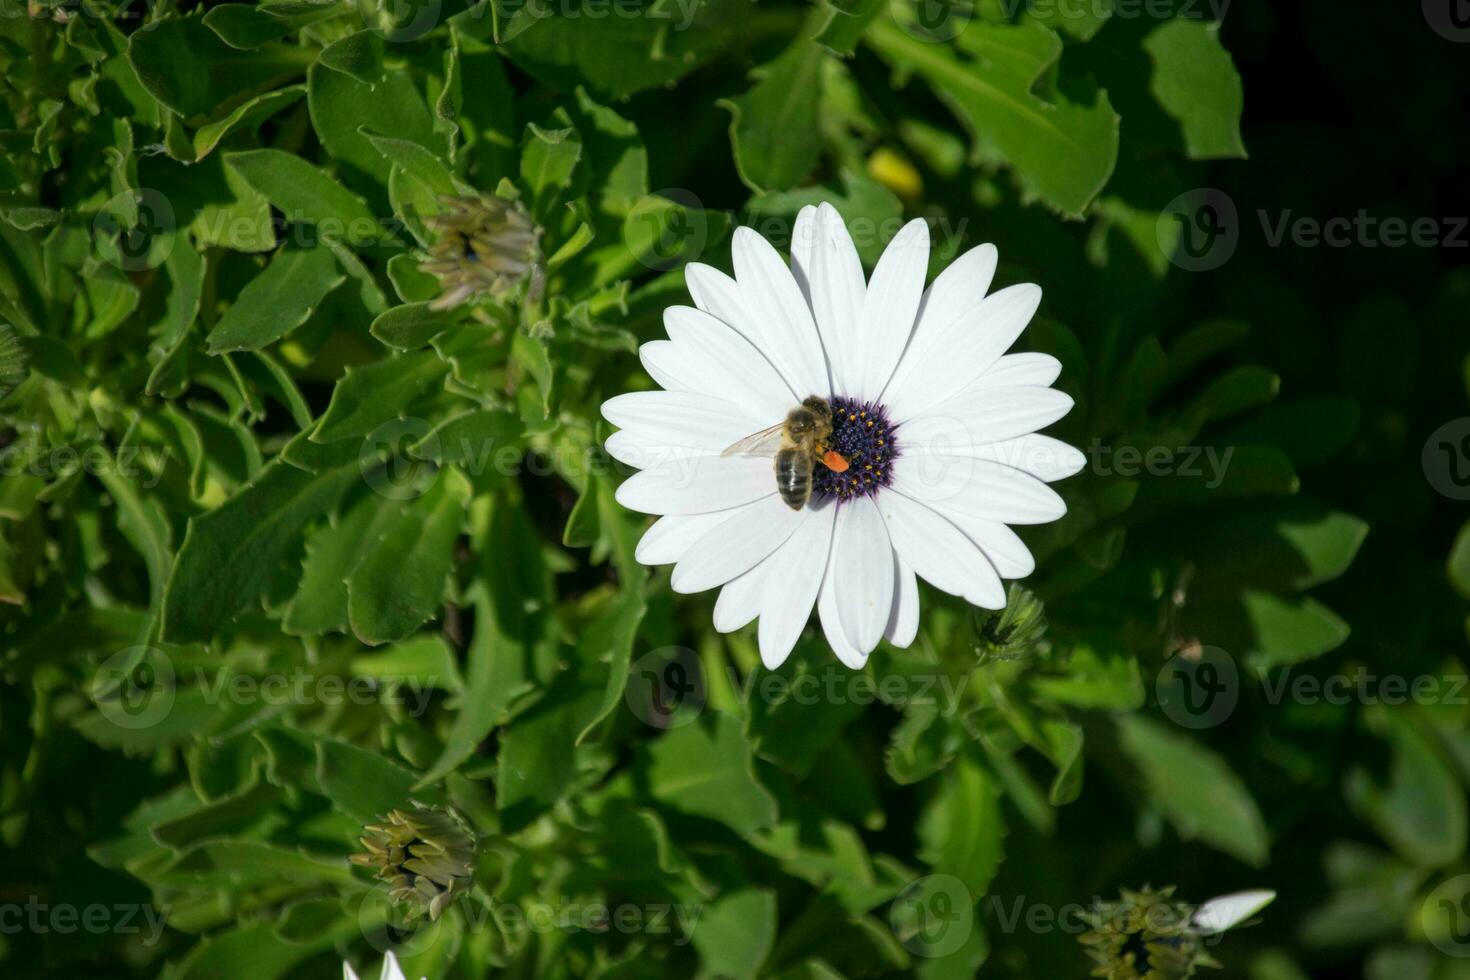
(248, 450)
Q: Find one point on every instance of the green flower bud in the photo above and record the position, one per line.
(426, 856)
(1146, 935)
(1012, 633)
(486, 246)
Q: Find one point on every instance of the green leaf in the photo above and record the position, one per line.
(1195, 788)
(620, 55)
(705, 769)
(962, 830)
(306, 193)
(399, 584)
(538, 754)
(362, 782)
(277, 301)
(185, 65)
(359, 55)
(244, 118)
(1422, 809)
(774, 126)
(1063, 151)
(1195, 80)
(332, 553)
(230, 553)
(1458, 564)
(616, 631)
(1288, 631)
(548, 157)
(498, 672)
(736, 934)
(367, 397)
(417, 162)
(412, 325)
(342, 106)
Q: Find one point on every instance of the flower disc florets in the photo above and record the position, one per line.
(862, 435)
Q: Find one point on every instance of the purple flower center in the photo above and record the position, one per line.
(862, 434)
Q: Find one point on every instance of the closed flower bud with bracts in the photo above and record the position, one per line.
(1013, 633)
(1146, 935)
(426, 856)
(486, 246)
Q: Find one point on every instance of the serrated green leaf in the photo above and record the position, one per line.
(1062, 150)
(399, 583)
(773, 125)
(1195, 81)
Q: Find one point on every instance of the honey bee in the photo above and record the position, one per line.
(796, 443)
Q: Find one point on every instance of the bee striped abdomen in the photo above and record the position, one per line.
(794, 476)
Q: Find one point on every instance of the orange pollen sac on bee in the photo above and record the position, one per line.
(834, 461)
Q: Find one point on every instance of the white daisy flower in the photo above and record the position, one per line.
(932, 450)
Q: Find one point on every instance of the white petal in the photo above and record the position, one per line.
(1025, 368)
(644, 451)
(982, 417)
(864, 572)
(698, 485)
(736, 545)
(1229, 911)
(803, 237)
(1043, 457)
(827, 266)
(903, 623)
(1004, 549)
(391, 969)
(719, 295)
(955, 291)
(727, 363)
(740, 599)
(958, 289)
(793, 584)
(978, 487)
(348, 973)
(779, 312)
(837, 639)
(891, 306)
(666, 541)
(939, 552)
(961, 352)
(683, 419)
(672, 372)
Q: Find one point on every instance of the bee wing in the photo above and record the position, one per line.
(762, 443)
